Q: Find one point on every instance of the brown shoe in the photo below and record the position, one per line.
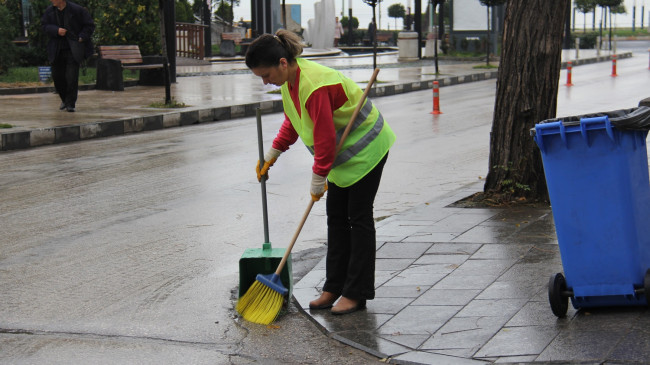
(325, 301)
(347, 305)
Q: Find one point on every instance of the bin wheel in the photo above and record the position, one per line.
(559, 303)
(646, 286)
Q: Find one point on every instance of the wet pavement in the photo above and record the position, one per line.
(469, 285)
(454, 285)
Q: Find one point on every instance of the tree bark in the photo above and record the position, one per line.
(527, 86)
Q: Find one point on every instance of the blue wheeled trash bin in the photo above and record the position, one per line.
(596, 169)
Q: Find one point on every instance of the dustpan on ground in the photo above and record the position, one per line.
(263, 260)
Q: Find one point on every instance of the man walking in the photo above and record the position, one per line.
(69, 27)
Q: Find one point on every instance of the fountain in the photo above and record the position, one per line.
(320, 31)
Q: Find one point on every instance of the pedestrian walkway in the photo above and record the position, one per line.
(455, 285)
(460, 285)
(211, 92)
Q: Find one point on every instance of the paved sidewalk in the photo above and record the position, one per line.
(454, 285)
(469, 285)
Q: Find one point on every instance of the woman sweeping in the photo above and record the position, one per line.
(318, 103)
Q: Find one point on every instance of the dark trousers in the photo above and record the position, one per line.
(65, 73)
(351, 243)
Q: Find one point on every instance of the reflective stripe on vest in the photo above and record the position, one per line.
(348, 153)
(351, 151)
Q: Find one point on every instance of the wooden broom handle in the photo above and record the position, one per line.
(295, 237)
(311, 201)
(357, 109)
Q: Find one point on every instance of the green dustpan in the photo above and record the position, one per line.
(263, 260)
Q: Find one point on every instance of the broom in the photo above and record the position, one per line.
(263, 300)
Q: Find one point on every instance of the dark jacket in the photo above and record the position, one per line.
(79, 24)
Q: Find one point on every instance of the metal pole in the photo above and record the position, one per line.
(23, 32)
(487, 39)
(207, 32)
(374, 39)
(161, 12)
(642, 13)
(610, 29)
(418, 25)
(350, 37)
(435, 49)
(170, 31)
(574, 19)
(268, 20)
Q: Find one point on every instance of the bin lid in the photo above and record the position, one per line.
(634, 118)
(645, 102)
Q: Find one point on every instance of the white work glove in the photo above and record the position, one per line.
(269, 159)
(318, 186)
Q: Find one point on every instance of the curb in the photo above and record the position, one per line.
(587, 61)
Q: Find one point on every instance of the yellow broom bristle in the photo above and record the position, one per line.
(260, 304)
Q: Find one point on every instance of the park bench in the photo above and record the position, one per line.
(382, 38)
(228, 43)
(235, 37)
(112, 59)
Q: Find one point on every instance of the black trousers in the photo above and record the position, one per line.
(351, 243)
(65, 73)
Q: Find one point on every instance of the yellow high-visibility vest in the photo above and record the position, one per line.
(370, 137)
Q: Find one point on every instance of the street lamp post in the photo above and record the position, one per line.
(350, 37)
(207, 32)
(373, 3)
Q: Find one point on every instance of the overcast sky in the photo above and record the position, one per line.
(363, 12)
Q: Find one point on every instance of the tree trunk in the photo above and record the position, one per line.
(527, 86)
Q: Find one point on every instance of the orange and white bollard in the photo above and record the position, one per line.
(436, 99)
(568, 73)
(614, 66)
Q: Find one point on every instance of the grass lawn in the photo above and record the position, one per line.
(28, 77)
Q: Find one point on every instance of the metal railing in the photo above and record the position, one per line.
(190, 41)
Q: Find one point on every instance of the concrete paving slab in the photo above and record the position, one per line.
(483, 301)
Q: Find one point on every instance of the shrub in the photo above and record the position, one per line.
(588, 40)
(37, 38)
(129, 22)
(7, 35)
(31, 56)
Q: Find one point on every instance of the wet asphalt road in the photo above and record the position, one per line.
(132, 243)
(126, 249)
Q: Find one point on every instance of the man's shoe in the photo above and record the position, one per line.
(70, 109)
(62, 106)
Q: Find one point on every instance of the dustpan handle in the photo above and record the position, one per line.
(265, 213)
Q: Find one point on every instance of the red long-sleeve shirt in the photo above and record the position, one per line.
(320, 106)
